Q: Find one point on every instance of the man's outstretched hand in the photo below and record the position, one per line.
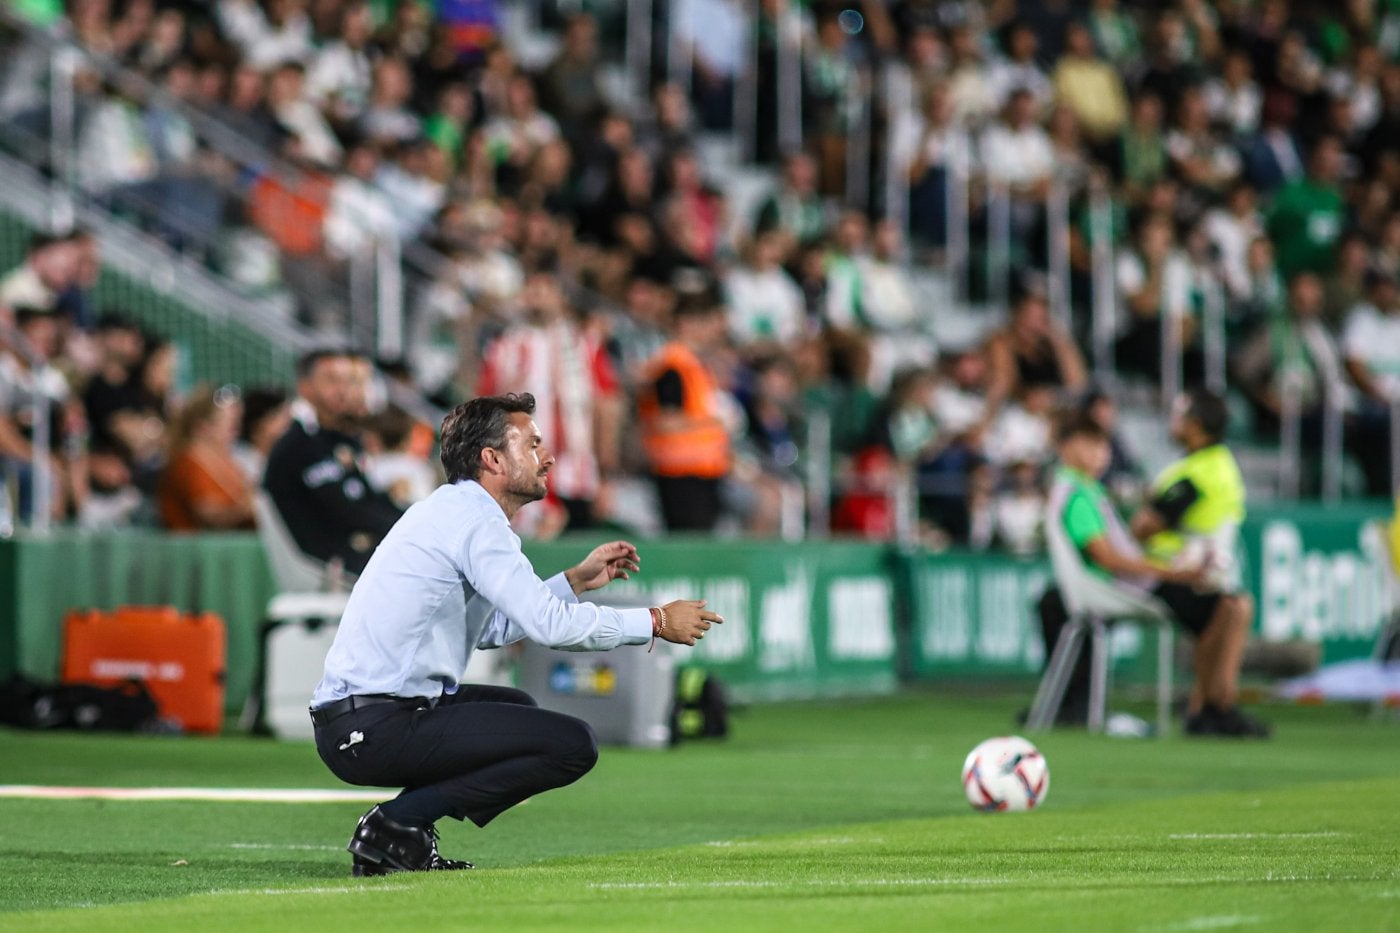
(607, 563)
(687, 621)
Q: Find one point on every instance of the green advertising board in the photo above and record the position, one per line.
(1320, 574)
(972, 615)
(801, 619)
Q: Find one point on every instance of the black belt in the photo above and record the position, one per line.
(324, 714)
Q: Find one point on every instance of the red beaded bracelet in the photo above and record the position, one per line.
(658, 625)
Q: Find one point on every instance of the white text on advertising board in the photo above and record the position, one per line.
(859, 625)
(1321, 596)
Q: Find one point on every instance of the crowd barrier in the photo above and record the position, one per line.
(803, 619)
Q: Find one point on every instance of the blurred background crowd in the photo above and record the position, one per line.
(769, 267)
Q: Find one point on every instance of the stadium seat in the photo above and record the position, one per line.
(1094, 604)
(297, 624)
(294, 570)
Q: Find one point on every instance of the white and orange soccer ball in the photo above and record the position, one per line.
(1005, 773)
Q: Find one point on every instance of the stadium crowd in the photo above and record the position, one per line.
(589, 255)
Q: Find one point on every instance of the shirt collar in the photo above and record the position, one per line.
(302, 412)
(475, 490)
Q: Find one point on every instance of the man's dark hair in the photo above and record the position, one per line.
(309, 360)
(1079, 424)
(1208, 410)
(42, 241)
(25, 314)
(393, 425)
(115, 320)
(474, 426)
(258, 403)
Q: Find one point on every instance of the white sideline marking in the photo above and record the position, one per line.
(1267, 878)
(791, 844)
(1252, 835)
(377, 889)
(283, 848)
(813, 883)
(1222, 922)
(222, 794)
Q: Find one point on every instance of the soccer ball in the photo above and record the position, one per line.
(1005, 773)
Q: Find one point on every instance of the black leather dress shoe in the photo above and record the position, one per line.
(438, 863)
(381, 845)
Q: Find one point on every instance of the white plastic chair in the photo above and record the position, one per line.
(310, 593)
(1094, 604)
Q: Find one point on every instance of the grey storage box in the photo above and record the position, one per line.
(624, 694)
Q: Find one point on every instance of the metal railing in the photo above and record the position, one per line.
(1103, 262)
(1290, 435)
(1395, 449)
(1333, 426)
(368, 282)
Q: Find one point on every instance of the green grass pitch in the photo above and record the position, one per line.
(816, 816)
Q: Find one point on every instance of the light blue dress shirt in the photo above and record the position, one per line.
(450, 578)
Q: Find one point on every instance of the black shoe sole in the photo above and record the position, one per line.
(363, 869)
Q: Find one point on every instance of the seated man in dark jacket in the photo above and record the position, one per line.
(315, 472)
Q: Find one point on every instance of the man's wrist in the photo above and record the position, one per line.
(575, 580)
(658, 625)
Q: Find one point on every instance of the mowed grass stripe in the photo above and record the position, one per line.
(1116, 868)
(843, 791)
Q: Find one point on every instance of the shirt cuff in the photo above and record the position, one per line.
(636, 626)
(559, 586)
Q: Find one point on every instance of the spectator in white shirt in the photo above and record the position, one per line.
(1231, 227)
(267, 39)
(1206, 165)
(312, 136)
(899, 333)
(1018, 71)
(1371, 341)
(340, 77)
(415, 181)
(1016, 151)
(765, 304)
(391, 466)
(359, 214)
(969, 83)
(50, 266)
(714, 33)
(515, 137)
(1234, 100)
(1359, 82)
(387, 117)
(932, 144)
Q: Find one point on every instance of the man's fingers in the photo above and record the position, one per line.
(712, 617)
(704, 626)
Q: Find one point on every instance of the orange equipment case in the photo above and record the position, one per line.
(180, 658)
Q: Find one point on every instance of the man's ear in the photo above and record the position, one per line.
(490, 460)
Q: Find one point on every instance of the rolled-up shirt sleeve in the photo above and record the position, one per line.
(546, 612)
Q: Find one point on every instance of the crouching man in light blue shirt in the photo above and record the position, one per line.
(450, 578)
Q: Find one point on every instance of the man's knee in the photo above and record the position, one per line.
(578, 747)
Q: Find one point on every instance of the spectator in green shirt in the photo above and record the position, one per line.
(1307, 217)
(1080, 504)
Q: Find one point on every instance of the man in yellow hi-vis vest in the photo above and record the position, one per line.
(1192, 518)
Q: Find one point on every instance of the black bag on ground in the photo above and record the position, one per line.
(701, 710)
(127, 707)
